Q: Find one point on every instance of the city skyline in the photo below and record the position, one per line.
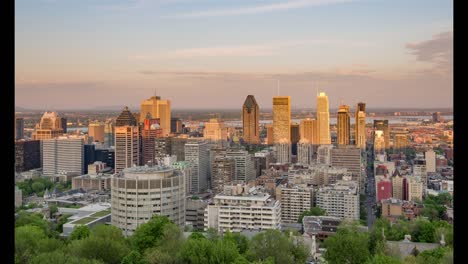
(97, 53)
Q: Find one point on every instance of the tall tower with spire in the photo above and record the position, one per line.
(251, 120)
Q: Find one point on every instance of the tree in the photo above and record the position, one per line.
(80, 232)
(105, 243)
(38, 187)
(424, 231)
(241, 241)
(148, 234)
(53, 209)
(26, 242)
(59, 257)
(273, 243)
(49, 245)
(35, 219)
(382, 259)
(134, 257)
(314, 211)
(348, 245)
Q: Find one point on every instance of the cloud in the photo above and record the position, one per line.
(246, 50)
(285, 5)
(437, 51)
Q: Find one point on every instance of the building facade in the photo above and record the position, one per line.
(157, 108)
(308, 130)
(127, 147)
(138, 193)
(339, 200)
(344, 125)
(281, 118)
(294, 199)
(223, 171)
(197, 153)
(239, 208)
(96, 130)
(251, 120)
(63, 155)
(323, 119)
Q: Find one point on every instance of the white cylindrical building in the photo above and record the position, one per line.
(138, 193)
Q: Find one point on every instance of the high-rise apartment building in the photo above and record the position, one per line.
(97, 131)
(251, 121)
(323, 119)
(430, 157)
(223, 171)
(138, 193)
(308, 131)
(158, 109)
(109, 133)
(294, 199)
(63, 156)
(349, 157)
(197, 153)
(382, 125)
(344, 126)
(339, 200)
(420, 172)
(149, 132)
(283, 152)
(398, 184)
(305, 153)
(324, 154)
(414, 189)
(360, 126)
(19, 128)
(214, 130)
(245, 167)
(49, 127)
(127, 147)
(281, 118)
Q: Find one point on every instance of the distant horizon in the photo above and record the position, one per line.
(84, 54)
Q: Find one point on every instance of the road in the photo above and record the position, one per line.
(370, 192)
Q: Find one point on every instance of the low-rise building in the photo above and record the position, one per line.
(320, 226)
(195, 214)
(90, 216)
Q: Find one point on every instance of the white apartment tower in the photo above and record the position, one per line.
(340, 200)
(197, 153)
(63, 155)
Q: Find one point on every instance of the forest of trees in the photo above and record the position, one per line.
(160, 241)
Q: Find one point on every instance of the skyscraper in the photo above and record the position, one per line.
(223, 171)
(158, 109)
(281, 118)
(360, 126)
(251, 120)
(149, 132)
(127, 141)
(383, 126)
(96, 130)
(127, 147)
(308, 131)
(109, 133)
(400, 142)
(283, 152)
(197, 153)
(19, 127)
(323, 118)
(245, 167)
(343, 125)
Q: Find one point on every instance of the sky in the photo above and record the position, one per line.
(86, 54)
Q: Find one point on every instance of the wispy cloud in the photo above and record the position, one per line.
(244, 50)
(284, 5)
(437, 51)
